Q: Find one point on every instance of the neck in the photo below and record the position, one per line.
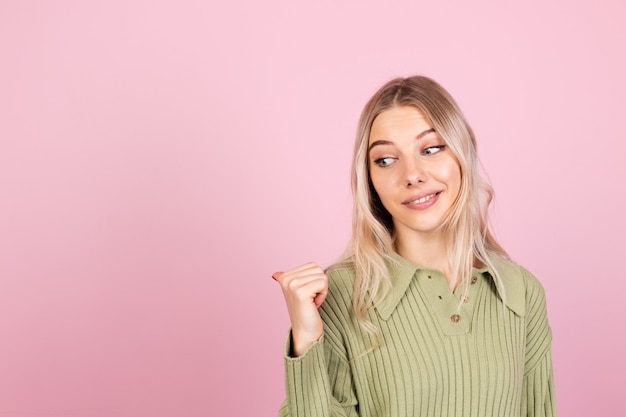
(427, 251)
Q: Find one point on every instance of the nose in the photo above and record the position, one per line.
(413, 172)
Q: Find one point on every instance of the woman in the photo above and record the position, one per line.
(425, 315)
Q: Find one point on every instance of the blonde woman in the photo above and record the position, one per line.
(425, 315)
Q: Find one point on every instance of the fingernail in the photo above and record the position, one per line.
(276, 275)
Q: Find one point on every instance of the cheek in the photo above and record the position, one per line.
(451, 175)
(382, 185)
(377, 189)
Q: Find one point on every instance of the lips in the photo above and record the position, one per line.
(422, 201)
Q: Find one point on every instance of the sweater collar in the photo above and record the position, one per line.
(402, 272)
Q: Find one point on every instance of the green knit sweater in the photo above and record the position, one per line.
(482, 360)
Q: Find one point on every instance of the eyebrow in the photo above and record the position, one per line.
(388, 142)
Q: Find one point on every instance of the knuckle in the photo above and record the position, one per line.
(291, 285)
(300, 294)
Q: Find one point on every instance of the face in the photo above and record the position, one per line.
(414, 173)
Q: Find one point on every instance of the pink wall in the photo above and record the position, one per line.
(159, 160)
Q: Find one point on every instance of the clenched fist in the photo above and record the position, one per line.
(305, 289)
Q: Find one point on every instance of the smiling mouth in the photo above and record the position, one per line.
(423, 199)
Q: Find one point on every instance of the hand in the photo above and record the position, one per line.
(305, 289)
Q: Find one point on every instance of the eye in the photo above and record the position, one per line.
(384, 162)
(431, 150)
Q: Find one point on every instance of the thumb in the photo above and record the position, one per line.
(320, 297)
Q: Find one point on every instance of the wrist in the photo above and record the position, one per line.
(301, 343)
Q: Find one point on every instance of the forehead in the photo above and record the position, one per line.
(398, 121)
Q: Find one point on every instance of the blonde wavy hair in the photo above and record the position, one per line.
(469, 240)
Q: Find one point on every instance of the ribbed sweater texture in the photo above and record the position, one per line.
(482, 359)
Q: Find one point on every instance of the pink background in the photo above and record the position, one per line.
(160, 159)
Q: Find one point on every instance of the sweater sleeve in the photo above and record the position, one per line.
(319, 383)
(538, 390)
(538, 385)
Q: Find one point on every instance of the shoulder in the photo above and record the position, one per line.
(341, 275)
(515, 275)
(526, 292)
(521, 289)
(340, 284)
